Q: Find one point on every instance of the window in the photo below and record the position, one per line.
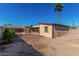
(45, 28)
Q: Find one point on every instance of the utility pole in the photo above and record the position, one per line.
(73, 23)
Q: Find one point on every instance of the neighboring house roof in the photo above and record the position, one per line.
(1, 26)
(36, 26)
(18, 27)
(12, 26)
(54, 24)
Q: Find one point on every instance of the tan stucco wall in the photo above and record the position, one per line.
(27, 30)
(46, 34)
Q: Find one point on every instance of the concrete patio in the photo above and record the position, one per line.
(18, 48)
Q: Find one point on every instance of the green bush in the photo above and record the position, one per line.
(8, 34)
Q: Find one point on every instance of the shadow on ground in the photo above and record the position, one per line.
(18, 48)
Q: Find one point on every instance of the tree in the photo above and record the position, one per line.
(8, 34)
(31, 25)
(59, 8)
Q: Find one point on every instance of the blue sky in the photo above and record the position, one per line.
(32, 14)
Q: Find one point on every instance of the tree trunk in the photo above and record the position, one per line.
(58, 23)
(58, 17)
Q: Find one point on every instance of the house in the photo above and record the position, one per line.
(44, 29)
(16, 29)
(52, 30)
(19, 29)
(32, 30)
(25, 30)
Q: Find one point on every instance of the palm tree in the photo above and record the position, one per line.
(59, 8)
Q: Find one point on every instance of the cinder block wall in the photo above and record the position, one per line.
(1, 32)
(61, 32)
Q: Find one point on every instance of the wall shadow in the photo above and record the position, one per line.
(28, 49)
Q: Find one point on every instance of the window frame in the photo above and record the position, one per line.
(46, 29)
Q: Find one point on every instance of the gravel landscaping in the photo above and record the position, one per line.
(18, 48)
(67, 45)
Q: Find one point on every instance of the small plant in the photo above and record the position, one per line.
(8, 34)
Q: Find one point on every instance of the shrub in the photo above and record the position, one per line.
(8, 34)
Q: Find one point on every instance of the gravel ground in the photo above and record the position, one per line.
(67, 45)
(18, 48)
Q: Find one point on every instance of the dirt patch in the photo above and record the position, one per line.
(60, 46)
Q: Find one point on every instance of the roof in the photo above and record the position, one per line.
(36, 26)
(54, 24)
